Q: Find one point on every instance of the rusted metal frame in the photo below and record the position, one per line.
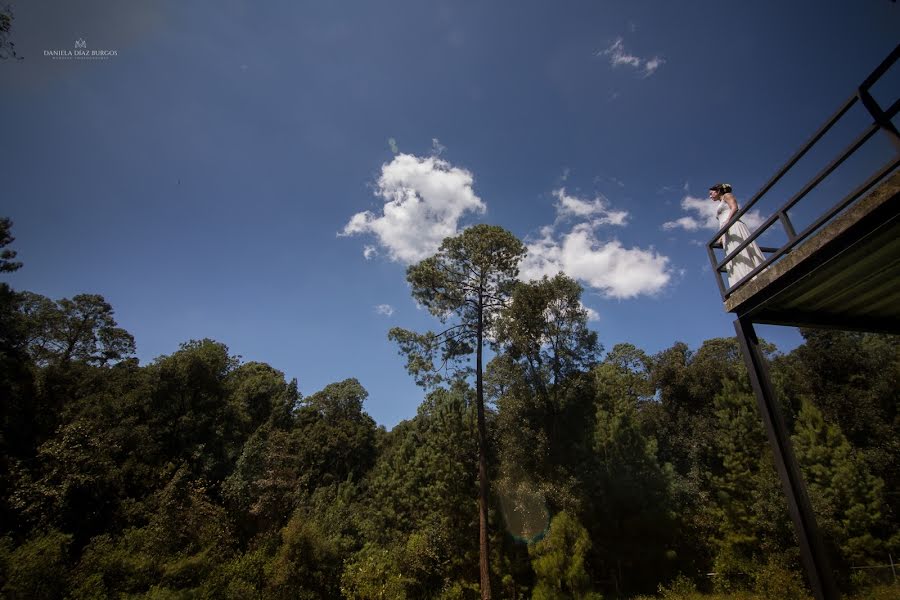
(848, 199)
(812, 549)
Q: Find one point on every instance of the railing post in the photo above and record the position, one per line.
(788, 226)
(714, 264)
(881, 118)
(812, 550)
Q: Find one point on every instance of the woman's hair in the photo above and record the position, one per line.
(722, 188)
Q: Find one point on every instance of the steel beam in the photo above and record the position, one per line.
(812, 550)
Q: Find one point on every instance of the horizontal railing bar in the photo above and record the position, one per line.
(796, 157)
(889, 166)
(766, 249)
(883, 121)
(881, 69)
(854, 146)
(851, 197)
(893, 110)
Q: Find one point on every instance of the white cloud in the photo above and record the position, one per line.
(597, 210)
(619, 57)
(592, 315)
(437, 148)
(704, 216)
(652, 64)
(607, 266)
(392, 143)
(424, 200)
(370, 252)
(686, 223)
(384, 309)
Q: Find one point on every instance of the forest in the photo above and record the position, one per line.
(606, 473)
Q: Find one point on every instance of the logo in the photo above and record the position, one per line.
(80, 52)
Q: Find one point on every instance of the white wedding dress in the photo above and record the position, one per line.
(749, 258)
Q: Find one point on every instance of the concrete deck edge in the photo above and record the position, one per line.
(875, 198)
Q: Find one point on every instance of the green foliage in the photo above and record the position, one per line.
(306, 565)
(38, 568)
(373, 574)
(776, 582)
(559, 561)
(846, 497)
(681, 588)
(199, 476)
(7, 264)
(630, 489)
(470, 278)
(422, 491)
(544, 328)
(77, 329)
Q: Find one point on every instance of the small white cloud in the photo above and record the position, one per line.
(686, 223)
(370, 252)
(619, 57)
(607, 266)
(592, 315)
(704, 216)
(565, 174)
(436, 147)
(651, 65)
(597, 210)
(392, 143)
(384, 309)
(425, 198)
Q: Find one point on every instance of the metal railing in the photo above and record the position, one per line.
(882, 121)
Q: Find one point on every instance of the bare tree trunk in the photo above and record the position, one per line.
(484, 548)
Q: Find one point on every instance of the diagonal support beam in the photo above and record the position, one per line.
(812, 550)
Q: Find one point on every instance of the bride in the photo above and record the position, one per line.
(750, 257)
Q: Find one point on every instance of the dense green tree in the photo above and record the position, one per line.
(7, 264)
(470, 278)
(77, 329)
(853, 379)
(36, 569)
(19, 412)
(327, 441)
(539, 378)
(631, 517)
(200, 476)
(847, 499)
(559, 562)
(422, 494)
(183, 539)
(740, 446)
(545, 404)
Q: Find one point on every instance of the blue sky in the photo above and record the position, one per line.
(261, 173)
